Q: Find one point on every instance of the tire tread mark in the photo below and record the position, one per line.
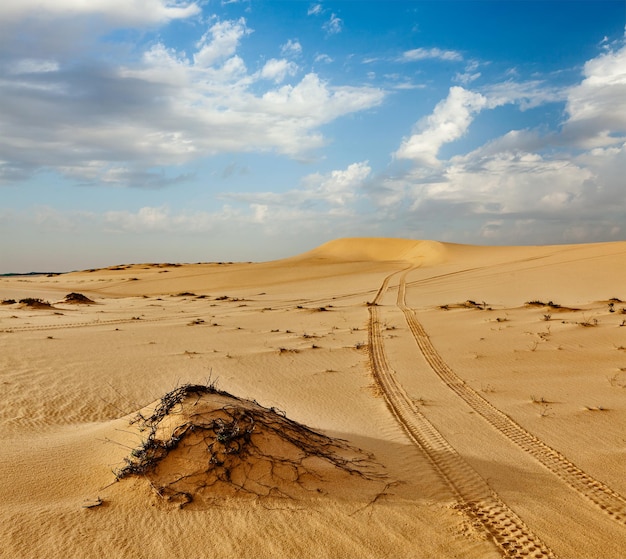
(476, 498)
(609, 501)
(35, 328)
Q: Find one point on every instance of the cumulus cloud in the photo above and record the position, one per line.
(452, 117)
(219, 42)
(526, 185)
(277, 70)
(449, 121)
(319, 198)
(120, 12)
(527, 94)
(334, 191)
(596, 107)
(88, 119)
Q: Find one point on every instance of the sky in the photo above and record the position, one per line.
(251, 130)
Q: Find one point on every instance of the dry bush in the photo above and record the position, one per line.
(204, 444)
(35, 303)
(77, 298)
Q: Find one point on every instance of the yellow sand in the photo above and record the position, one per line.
(497, 427)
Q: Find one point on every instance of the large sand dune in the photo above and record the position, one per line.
(392, 398)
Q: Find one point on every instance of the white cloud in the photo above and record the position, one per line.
(219, 42)
(448, 122)
(528, 94)
(526, 185)
(277, 70)
(338, 187)
(433, 53)
(314, 10)
(323, 58)
(319, 198)
(596, 107)
(291, 48)
(466, 78)
(334, 191)
(121, 12)
(509, 183)
(452, 117)
(334, 25)
(315, 102)
(168, 109)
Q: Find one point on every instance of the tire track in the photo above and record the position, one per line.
(476, 498)
(39, 327)
(608, 500)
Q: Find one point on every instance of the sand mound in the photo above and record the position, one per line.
(381, 250)
(32, 303)
(77, 299)
(205, 445)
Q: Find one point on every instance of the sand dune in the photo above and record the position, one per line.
(475, 394)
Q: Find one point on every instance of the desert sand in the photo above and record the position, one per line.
(370, 398)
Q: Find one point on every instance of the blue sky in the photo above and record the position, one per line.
(162, 130)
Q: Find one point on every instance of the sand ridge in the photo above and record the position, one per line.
(486, 384)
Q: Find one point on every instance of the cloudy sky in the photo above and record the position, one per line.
(180, 130)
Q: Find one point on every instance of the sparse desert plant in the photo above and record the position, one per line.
(616, 381)
(588, 322)
(8, 301)
(547, 317)
(237, 448)
(283, 350)
(474, 305)
(78, 298)
(35, 303)
(539, 303)
(545, 335)
(545, 410)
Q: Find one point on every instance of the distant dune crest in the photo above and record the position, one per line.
(381, 249)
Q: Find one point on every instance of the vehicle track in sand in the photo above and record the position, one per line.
(509, 533)
(608, 500)
(109, 322)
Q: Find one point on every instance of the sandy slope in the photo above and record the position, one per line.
(496, 427)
